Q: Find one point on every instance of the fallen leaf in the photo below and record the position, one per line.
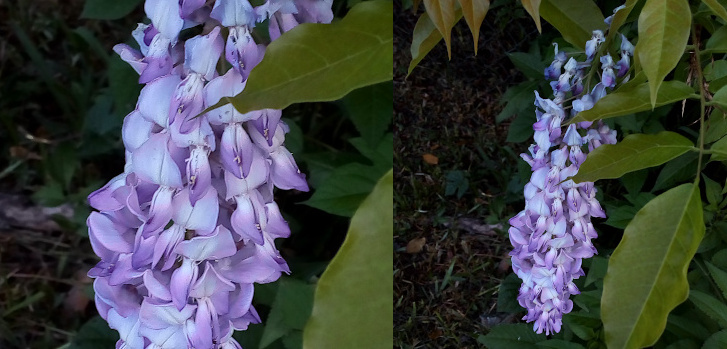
(435, 334)
(430, 159)
(416, 245)
(76, 300)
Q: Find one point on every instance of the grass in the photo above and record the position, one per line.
(445, 294)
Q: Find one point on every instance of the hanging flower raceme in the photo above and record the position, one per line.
(190, 225)
(554, 233)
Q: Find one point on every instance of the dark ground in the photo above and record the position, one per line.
(451, 250)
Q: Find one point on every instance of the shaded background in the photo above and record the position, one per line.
(456, 179)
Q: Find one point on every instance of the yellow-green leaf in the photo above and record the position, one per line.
(649, 268)
(533, 8)
(635, 152)
(425, 37)
(719, 150)
(442, 14)
(474, 12)
(663, 33)
(717, 8)
(352, 306)
(322, 62)
(575, 19)
(634, 100)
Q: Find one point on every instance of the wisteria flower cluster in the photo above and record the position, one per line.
(190, 225)
(554, 233)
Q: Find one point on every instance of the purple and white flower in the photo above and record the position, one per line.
(190, 225)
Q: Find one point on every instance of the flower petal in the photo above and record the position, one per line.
(181, 282)
(202, 216)
(161, 89)
(107, 238)
(218, 245)
(154, 163)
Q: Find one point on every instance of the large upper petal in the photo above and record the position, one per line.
(164, 14)
(202, 216)
(153, 162)
(108, 239)
(155, 97)
(218, 245)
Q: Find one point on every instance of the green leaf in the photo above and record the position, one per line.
(559, 344)
(359, 274)
(474, 12)
(321, 165)
(442, 14)
(511, 336)
(519, 100)
(507, 295)
(575, 19)
(371, 109)
(294, 138)
(683, 344)
(716, 127)
(529, 64)
(582, 324)
(50, 195)
(719, 276)
(124, 84)
(684, 327)
(634, 100)
(95, 334)
(635, 152)
(719, 149)
(678, 170)
(99, 119)
(718, 41)
(322, 62)
(597, 271)
(344, 190)
(619, 217)
(717, 340)
(521, 128)
(717, 8)
(290, 311)
(720, 96)
(649, 268)
(533, 8)
(720, 258)
(62, 164)
(105, 9)
(380, 154)
(424, 38)
(713, 191)
(663, 33)
(457, 183)
(250, 338)
(710, 306)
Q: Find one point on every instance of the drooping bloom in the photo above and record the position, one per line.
(190, 225)
(554, 232)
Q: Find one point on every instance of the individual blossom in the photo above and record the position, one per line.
(190, 226)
